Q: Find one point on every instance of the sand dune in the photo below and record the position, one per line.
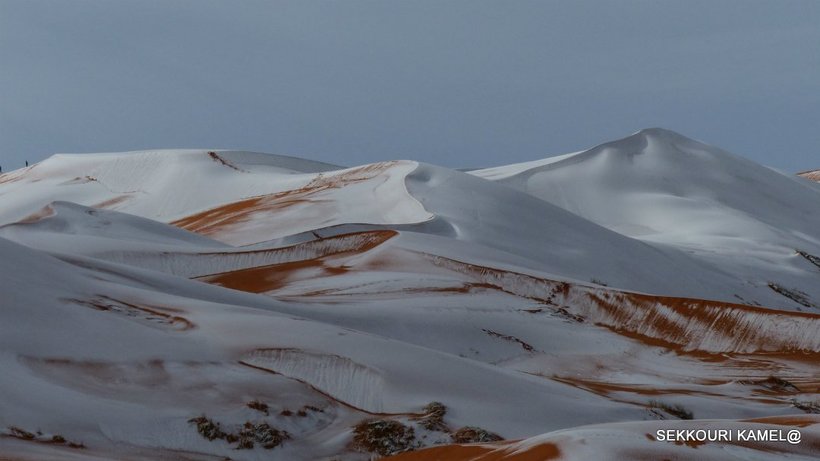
(202, 305)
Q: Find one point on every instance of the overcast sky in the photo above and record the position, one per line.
(456, 83)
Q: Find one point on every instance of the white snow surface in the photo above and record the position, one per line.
(662, 188)
(144, 289)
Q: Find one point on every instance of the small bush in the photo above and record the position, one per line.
(382, 436)
(246, 437)
(472, 434)
(20, 433)
(312, 408)
(268, 436)
(795, 295)
(808, 407)
(773, 383)
(778, 384)
(250, 433)
(433, 419)
(207, 428)
(810, 258)
(676, 410)
(259, 406)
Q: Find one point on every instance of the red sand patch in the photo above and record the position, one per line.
(44, 213)
(224, 217)
(499, 452)
(688, 326)
(10, 177)
(16, 175)
(707, 330)
(271, 277)
(162, 316)
(606, 389)
(112, 201)
(813, 175)
(692, 325)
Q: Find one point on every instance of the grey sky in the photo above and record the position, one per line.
(457, 83)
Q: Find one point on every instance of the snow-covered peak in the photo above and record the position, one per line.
(666, 189)
(651, 148)
(651, 140)
(658, 182)
(655, 150)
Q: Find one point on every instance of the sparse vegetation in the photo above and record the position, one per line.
(23, 434)
(262, 433)
(810, 257)
(259, 406)
(808, 407)
(383, 436)
(773, 383)
(302, 412)
(745, 301)
(563, 312)
(472, 434)
(248, 435)
(312, 408)
(267, 436)
(795, 295)
(245, 441)
(676, 410)
(215, 157)
(15, 431)
(526, 346)
(433, 419)
(207, 428)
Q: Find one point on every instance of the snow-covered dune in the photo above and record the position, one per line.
(372, 194)
(61, 225)
(239, 198)
(165, 305)
(103, 321)
(659, 185)
(161, 184)
(639, 441)
(665, 189)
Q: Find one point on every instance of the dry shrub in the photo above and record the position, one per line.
(383, 436)
(472, 434)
